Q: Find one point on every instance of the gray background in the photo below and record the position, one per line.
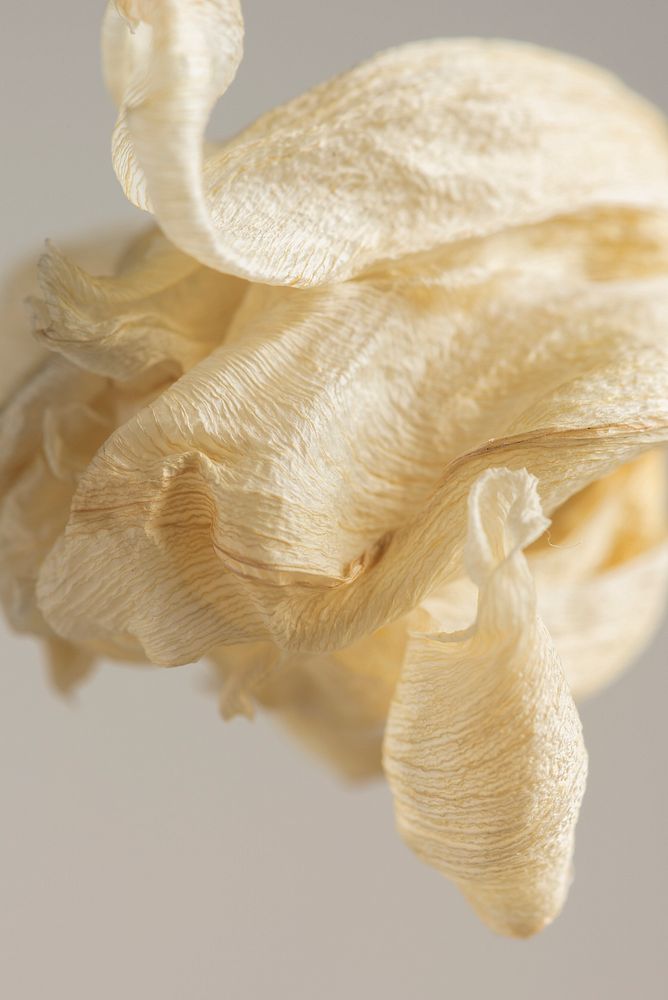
(150, 851)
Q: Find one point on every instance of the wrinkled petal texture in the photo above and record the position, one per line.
(326, 186)
(312, 425)
(118, 342)
(306, 482)
(602, 572)
(483, 748)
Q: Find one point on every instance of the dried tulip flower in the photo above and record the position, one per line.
(371, 420)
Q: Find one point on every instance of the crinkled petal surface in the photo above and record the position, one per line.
(336, 703)
(602, 572)
(267, 437)
(483, 748)
(318, 190)
(119, 340)
(602, 575)
(306, 483)
(162, 313)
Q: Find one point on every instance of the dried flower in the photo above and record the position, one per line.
(314, 428)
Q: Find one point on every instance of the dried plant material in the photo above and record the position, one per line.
(161, 313)
(326, 186)
(263, 437)
(324, 464)
(602, 572)
(483, 748)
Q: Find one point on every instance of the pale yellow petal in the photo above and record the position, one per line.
(306, 483)
(335, 703)
(601, 624)
(602, 572)
(483, 748)
(20, 352)
(37, 483)
(421, 146)
(54, 422)
(161, 314)
(602, 576)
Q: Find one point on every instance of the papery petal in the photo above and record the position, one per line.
(36, 485)
(162, 312)
(602, 576)
(335, 703)
(52, 384)
(601, 624)
(602, 572)
(49, 429)
(483, 748)
(19, 353)
(60, 414)
(306, 483)
(500, 134)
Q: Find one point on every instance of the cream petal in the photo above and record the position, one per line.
(601, 624)
(19, 352)
(326, 186)
(602, 572)
(49, 431)
(163, 312)
(335, 703)
(601, 581)
(306, 483)
(33, 512)
(483, 748)
(611, 522)
(54, 383)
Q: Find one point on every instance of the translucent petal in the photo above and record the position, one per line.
(327, 186)
(483, 747)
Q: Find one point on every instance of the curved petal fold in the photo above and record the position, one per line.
(327, 186)
(602, 572)
(163, 312)
(483, 748)
(306, 483)
(335, 703)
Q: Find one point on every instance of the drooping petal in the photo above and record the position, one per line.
(483, 747)
(306, 483)
(162, 313)
(602, 574)
(328, 185)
